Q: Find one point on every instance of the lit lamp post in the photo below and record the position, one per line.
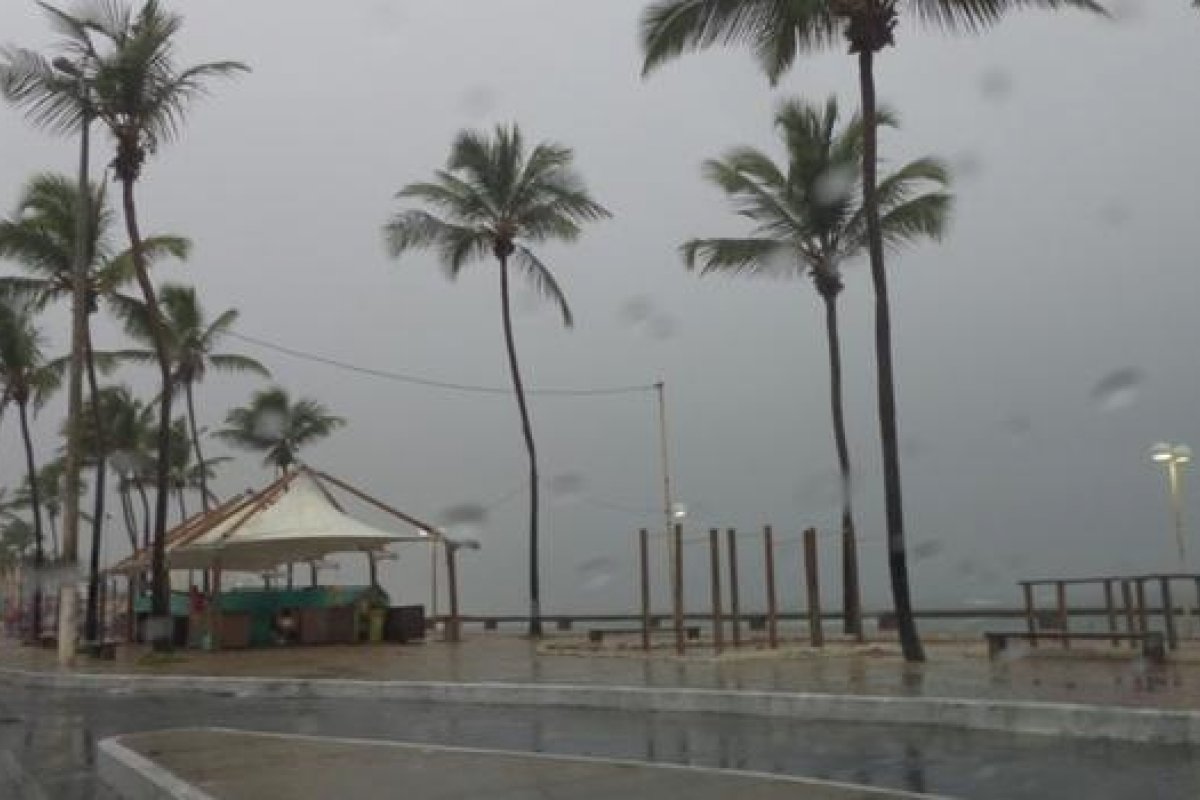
(1173, 457)
(67, 624)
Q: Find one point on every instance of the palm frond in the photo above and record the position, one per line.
(539, 276)
(976, 15)
(758, 257)
(229, 362)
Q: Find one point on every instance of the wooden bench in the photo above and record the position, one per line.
(596, 635)
(1153, 643)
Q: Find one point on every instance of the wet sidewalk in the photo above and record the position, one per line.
(954, 669)
(230, 765)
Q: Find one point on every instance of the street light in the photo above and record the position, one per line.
(1173, 457)
(67, 626)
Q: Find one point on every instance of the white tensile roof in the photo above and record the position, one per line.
(293, 520)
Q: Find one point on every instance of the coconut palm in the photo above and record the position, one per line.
(134, 86)
(495, 198)
(278, 427)
(191, 338)
(777, 30)
(187, 474)
(808, 220)
(51, 488)
(40, 238)
(29, 379)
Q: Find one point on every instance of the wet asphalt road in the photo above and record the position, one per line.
(47, 744)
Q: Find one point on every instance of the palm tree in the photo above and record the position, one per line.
(191, 338)
(51, 488)
(187, 474)
(496, 198)
(272, 424)
(40, 237)
(776, 30)
(808, 221)
(29, 379)
(134, 87)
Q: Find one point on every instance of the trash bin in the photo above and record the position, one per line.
(375, 618)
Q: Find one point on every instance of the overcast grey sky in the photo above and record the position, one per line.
(1072, 257)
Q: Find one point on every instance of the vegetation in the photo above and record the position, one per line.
(808, 220)
(777, 31)
(276, 426)
(494, 196)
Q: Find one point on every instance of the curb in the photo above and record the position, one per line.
(134, 777)
(1156, 726)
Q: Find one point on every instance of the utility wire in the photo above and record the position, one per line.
(436, 384)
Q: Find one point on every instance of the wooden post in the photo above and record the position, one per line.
(812, 583)
(1143, 622)
(453, 632)
(372, 568)
(312, 574)
(734, 611)
(1130, 617)
(644, 562)
(772, 620)
(1110, 606)
(1168, 613)
(714, 557)
(291, 576)
(677, 589)
(1030, 614)
(214, 607)
(1063, 619)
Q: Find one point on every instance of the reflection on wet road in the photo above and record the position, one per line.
(48, 739)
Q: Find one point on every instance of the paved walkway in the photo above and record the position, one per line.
(952, 670)
(230, 765)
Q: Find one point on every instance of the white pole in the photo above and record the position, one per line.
(664, 455)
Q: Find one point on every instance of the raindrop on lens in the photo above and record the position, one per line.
(567, 487)
(1118, 389)
(596, 573)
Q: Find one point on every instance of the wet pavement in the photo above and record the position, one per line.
(954, 669)
(228, 765)
(51, 737)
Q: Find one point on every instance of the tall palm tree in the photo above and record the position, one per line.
(276, 426)
(136, 89)
(495, 198)
(51, 489)
(191, 338)
(187, 474)
(777, 30)
(808, 220)
(40, 237)
(29, 379)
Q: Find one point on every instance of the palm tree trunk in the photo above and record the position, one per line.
(91, 624)
(39, 553)
(160, 582)
(535, 608)
(181, 503)
(191, 407)
(52, 518)
(851, 593)
(130, 520)
(141, 489)
(910, 640)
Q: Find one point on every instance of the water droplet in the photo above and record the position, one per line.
(928, 548)
(596, 573)
(636, 310)
(995, 84)
(1118, 389)
(835, 184)
(567, 487)
(662, 327)
(1113, 214)
(464, 522)
(478, 101)
(968, 166)
(642, 314)
(270, 424)
(821, 493)
(1017, 425)
(1015, 651)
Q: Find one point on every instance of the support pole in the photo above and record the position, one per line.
(772, 609)
(1030, 614)
(453, 631)
(1063, 619)
(644, 576)
(1111, 608)
(714, 557)
(677, 588)
(735, 617)
(1168, 613)
(1143, 621)
(1130, 617)
(812, 582)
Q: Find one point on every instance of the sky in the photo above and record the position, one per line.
(1040, 349)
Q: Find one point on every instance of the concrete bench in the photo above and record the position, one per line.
(596, 635)
(1153, 643)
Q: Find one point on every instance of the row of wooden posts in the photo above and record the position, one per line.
(719, 614)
